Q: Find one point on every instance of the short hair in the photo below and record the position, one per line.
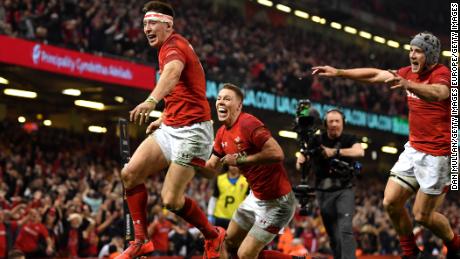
(235, 89)
(337, 110)
(159, 7)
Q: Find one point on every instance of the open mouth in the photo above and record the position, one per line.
(222, 111)
(415, 65)
(151, 37)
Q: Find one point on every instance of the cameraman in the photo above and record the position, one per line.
(333, 152)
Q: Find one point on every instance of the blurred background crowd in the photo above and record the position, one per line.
(244, 50)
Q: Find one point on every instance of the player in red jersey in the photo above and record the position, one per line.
(423, 168)
(181, 138)
(245, 142)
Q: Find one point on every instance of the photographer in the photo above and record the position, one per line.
(332, 154)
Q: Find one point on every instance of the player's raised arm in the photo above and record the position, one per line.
(366, 75)
(428, 92)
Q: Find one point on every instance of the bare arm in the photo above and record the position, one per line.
(354, 151)
(107, 222)
(18, 208)
(168, 80)
(433, 92)
(155, 124)
(23, 220)
(212, 167)
(300, 160)
(366, 75)
(151, 228)
(271, 153)
(426, 92)
(49, 246)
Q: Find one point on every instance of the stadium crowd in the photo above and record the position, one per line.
(244, 50)
(60, 194)
(407, 15)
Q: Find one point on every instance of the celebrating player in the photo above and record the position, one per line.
(245, 142)
(181, 138)
(423, 167)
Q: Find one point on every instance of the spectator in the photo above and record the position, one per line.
(33, 238)
(159, 230)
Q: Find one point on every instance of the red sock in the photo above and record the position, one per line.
(408, 245)
(193, 214)
(272, 254)
(137, 204)
(454, 244)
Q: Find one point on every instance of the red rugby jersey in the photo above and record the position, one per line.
(186, 103)
(247, 136)
(429, 122)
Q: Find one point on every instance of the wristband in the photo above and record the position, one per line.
(241, 160)
(337, 152)
(151, 99)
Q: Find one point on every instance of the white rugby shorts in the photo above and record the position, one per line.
(415, 169)
(187, 145)
(264, 219)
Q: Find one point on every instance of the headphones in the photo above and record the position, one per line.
(333, 110)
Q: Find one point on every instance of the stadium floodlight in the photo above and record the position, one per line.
(365, 35)
(301, 14)
(393, 44)
(316, 18)
(446, 53)
(379, 39)
(350, 30)
(21, 119)
(89, 104)
(4, 81)
(265, 2)
(374, 155)
(336, 25)
(97, 129)
(71, 91)
(47, 123)
(155, 114)
(389, 150)
(287, 134)
(20, 93)
(406, 46)
(365, 139)
(322, 21)
(364, 145)
(283, 8)
(119, 99)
